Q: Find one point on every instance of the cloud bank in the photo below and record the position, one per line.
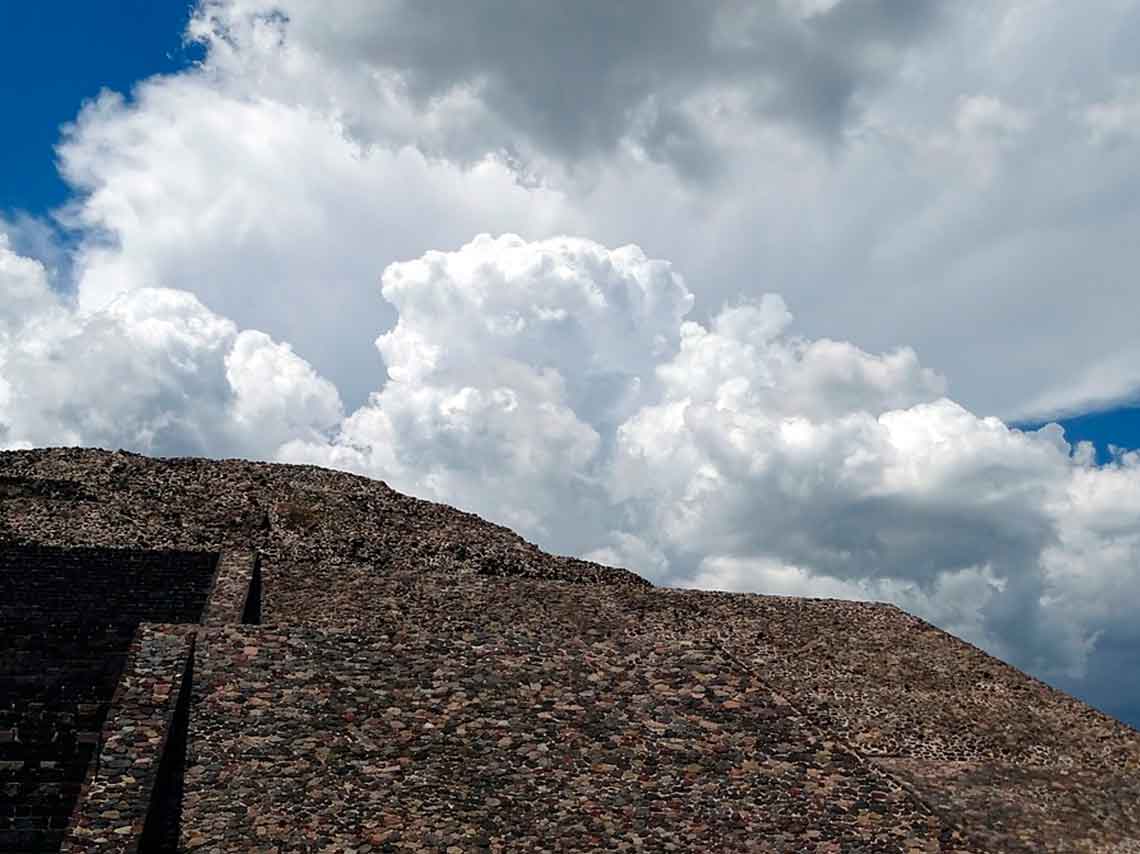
(952, 180)
(155, 370)
(905, 175)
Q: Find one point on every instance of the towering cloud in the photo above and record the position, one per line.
(508, 370)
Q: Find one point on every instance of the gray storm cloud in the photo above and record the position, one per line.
(577, 80)
(905, 174)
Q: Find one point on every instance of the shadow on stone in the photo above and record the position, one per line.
(251, 616)
(164, 818)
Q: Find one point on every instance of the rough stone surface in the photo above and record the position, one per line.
(236, 589)
(422, 680)
(305, 522)
(493, 740)
(112, 815)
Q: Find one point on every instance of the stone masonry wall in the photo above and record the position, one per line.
(419, 679)
(67, 617)
(132, 796)
(430, 737)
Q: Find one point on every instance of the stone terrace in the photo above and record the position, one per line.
(395, 675)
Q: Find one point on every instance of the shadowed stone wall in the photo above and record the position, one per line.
(67, 617)
(132, 800)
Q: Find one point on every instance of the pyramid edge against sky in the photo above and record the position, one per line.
(350, 668)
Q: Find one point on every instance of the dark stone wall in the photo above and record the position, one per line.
(35, 487)
(132, 798)
(112, 586)
(67, 617)
(164, 814)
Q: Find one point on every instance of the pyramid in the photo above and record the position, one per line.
(230, 656)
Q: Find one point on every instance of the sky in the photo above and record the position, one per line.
(814, 297)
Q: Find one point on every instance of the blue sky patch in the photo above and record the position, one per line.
(57, 55)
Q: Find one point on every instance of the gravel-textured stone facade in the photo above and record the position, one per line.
(376, 673)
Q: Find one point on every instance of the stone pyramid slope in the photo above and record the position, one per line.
(369, 672)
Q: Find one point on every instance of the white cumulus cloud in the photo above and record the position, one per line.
(153, 370)
(905, 177)
(557, 386)
(508, 368)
